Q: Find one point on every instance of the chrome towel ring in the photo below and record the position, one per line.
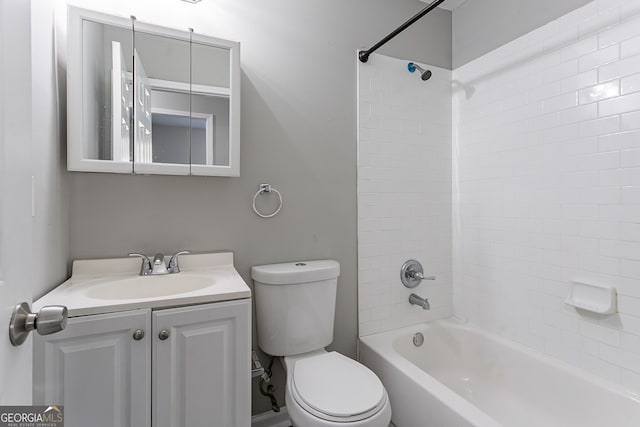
(267, 188)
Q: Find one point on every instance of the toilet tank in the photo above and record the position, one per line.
(295, 305)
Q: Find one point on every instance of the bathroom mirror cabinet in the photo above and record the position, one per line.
(145, 99)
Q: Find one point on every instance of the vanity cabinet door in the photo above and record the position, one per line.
(201, 364)
(97, 370)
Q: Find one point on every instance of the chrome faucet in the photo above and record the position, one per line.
(419, 301)
(173, 262)
(159, 267)
(412, 274)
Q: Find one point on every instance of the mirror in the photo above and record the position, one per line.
(106, 93)
(162, 108)
(151, 100)
(210, 105)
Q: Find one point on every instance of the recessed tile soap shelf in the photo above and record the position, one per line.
(595, 298)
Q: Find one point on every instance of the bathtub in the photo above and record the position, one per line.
(461, 377)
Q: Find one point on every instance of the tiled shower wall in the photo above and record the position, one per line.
(547, 187)
(404, 192)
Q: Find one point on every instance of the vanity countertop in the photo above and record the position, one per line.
(112, 285)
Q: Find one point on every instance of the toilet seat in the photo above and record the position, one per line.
(333, 387)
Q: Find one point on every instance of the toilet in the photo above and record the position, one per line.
(295, 307)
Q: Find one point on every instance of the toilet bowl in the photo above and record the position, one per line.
(327, 389)
(295, 307)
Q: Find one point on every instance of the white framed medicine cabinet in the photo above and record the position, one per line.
(144, 99)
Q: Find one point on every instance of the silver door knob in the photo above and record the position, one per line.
(50, 319)
(138, 334)
(163, 335)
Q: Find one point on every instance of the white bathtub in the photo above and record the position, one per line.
(461, 376)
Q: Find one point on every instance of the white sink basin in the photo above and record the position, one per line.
(100, 286)
(149, 286)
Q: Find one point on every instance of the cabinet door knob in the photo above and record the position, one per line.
(163, 335)
(138, 334)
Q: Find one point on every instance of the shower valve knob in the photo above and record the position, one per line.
(411, 274)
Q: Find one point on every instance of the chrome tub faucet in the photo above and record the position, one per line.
(419, 301)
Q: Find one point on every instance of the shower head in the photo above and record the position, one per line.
(424, 74)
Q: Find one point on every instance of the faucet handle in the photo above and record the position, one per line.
(420, 276)
(173, 262)
(146, 269)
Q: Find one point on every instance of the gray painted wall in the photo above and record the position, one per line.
(298, 133)
(480, 26)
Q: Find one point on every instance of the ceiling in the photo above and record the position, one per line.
(448, 4)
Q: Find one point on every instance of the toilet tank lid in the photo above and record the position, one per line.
(295, 272)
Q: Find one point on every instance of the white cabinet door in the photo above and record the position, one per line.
(97, 370)
(201, 370)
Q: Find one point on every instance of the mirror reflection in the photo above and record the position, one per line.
(107, 53)
(182, 111)
(210, 100)
(164, 101)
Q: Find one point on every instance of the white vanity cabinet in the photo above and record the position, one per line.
(191, 367)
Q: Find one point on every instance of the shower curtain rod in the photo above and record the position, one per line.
(364, 55)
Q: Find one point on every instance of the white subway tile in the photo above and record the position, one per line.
(600, 229)
(388, 179)
(598, 127)
(579, 81)
(630, 268)
(561, 102)
(599, 92)
(626, 177)
(630, 84)
(560, 71)
(599, 58)
(622, 104)
(621, 358)
(630, 232)
(624, 31)
(599, 195)
(618, 69)
(606, 160)
(630, 195)
(601, 368)
(630, 158)
(619, 141)
(620, 249)
(630, 121)
(630, 47)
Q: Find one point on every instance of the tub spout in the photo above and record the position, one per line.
(418, 300)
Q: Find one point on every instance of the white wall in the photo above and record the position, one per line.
(548, 187)
(51, 193)
(404, 191)
(481, 26)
